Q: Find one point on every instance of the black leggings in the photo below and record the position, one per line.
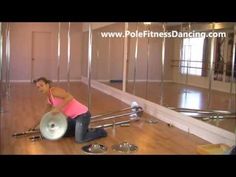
(78, 127)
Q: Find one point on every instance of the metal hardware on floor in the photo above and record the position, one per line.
(54, 126)
(94, 148)
(152, 121)
(125, 147)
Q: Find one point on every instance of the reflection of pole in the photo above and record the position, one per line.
(181, 49)
(125, 59)
(58, 51)
(89, 64)
(68, 55)
(211, 64)
(135, 60)
(163, 62)
(232, 98)
(187, 59)
(148, 55)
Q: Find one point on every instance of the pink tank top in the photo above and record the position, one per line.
(72, 109)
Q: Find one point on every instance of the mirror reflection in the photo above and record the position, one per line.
(180, 73)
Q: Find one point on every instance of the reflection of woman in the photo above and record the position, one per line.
(78, 114)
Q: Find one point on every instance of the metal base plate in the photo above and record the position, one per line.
(53, 127)
(94, 148)
(125, 147)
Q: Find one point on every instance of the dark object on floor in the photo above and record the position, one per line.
(116, 81)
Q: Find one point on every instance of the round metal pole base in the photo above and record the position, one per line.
(94, 148)
(125, 147)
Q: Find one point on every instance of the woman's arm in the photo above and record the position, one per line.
(48, 108)
(65, 96)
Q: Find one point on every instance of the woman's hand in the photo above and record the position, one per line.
(55, 110)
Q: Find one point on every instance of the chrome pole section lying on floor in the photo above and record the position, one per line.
(133, 107)
(201, 110)
(214, 116)
(106, 114)
(135, 113)
(26, 133)
(53, 127)
(211, 114)
(114, 124)
(35, 134)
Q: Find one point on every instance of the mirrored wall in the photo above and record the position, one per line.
(178, 71)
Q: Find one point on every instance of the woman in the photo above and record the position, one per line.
(78, 114)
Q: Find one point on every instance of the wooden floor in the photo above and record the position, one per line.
(23, 108)
(178, 95)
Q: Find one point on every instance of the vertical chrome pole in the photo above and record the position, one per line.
(135, 60)
(233, 63)
(181, 49)
(1, 94)
(68, 55)
(182, 56)
(212, 56)
(148, 56)
(58, 51)
(189, 56)
(32, 58)
(125, 54)
(1, 108)
(8, 58)
(90, 39)
(109, 58)
(1, 56)
(163, 63)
